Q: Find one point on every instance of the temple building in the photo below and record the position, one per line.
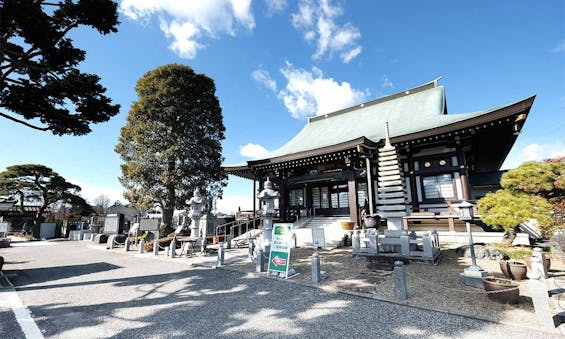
(402, 157)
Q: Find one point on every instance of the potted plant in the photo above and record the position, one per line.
(502, 290)
(518, 270)
(504, 268)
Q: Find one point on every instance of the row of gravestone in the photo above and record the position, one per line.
(114, 226)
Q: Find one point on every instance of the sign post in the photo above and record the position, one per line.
(281, 242)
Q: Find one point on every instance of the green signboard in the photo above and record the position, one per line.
(280, 248)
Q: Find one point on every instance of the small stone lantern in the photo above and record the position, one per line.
(267, 196)
(195, 213)
(472, 275)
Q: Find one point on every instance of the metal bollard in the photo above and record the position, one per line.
(221, 254)
(260, 261)
(155, 246)
(173, 248)
(400, 281)
(316, 269)
(142, 246)
(127, 244)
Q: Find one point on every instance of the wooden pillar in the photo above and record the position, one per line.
(370, 193)
(451, 224)
(413, 183)
(352, 192)
(463, 174)
(283, 199)
(254, 196)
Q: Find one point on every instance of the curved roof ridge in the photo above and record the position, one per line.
(409, 91)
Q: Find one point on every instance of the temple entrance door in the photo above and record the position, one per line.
(330, 199)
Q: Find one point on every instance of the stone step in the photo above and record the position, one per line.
(392, 214)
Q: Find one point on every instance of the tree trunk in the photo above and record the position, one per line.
(509, 236)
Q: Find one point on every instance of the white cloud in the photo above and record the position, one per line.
(253, 151)
(264, 78)
(559, 48)
(310, 93)
(276, 6)
(187, 22)
(317, 20)
(534, 152)
(387, 83)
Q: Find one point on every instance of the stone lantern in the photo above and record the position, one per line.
(267, 196)
(195, 213)
(472, 275)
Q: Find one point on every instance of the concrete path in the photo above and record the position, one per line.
(74, 291)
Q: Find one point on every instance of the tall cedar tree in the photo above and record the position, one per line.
(39, 78)
(40, 183)
(171, 143)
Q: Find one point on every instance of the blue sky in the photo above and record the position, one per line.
(276, 62)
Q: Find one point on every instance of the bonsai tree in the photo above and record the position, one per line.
(506, 210)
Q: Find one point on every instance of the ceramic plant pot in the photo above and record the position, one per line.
(504, 269)
(518, 270)
(502, 290)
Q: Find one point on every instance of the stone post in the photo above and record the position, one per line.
(538, 289)
(173, 247)
(428, 245)
(156, 246)
(404, 244)
(316, 269)
(142, 246)
(251, 249)
(110, 243)
(221, 254)
(400, 281)
(260, 261)
(228, 242)
(373, 242)
(356, 243)
(267, 196)
(127, 245)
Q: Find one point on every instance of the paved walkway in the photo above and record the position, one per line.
(74, 290)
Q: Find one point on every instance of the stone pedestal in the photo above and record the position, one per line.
(473, 276)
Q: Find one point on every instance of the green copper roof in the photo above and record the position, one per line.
(415, 110)
(405, 114)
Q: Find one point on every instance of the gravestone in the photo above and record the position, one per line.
(114, 224)
(149, 224)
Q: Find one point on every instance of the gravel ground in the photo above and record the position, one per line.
(429, 286)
